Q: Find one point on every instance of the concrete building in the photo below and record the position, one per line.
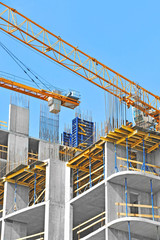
(112, 188)
(32, 183)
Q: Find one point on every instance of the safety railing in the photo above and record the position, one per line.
(97, 222)
(137, 166)
(129, 213)
(34, 236)
(88, 180)
(32, 157)
(3, 124)
(3, 151)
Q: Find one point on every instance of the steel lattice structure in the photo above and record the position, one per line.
(70, 57)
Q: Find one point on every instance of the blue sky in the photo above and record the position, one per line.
(124, 35)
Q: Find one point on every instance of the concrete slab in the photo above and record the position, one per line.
(136, 180)
(98, 234)
(88, 204)
(33, 216)
(142, 227)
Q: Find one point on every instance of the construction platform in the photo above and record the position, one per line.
(116, 184)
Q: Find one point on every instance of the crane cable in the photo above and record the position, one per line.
(24, 68)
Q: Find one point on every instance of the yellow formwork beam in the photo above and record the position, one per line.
(153, 147)
(128, 136)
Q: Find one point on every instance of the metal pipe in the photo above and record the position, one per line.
(35, 181)
(77, 182)
(127, 153)
(15, 196)
(90, 180)
(103, 163)
(152, 199)
(126, 196)
(115, 150)
(144, 159)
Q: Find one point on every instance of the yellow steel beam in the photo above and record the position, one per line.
(153, 147)
(82, 133)
(128, 136)
(78, 157)
(78, 167)
(16, 173)
(82, 129)
(127, 128)
(39, 167)
(139, 141)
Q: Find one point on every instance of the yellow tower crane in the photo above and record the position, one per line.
(55, 48)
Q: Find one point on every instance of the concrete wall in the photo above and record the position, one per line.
(21, 196)
(110, 152)
(18, 136)
(14, 230)
(17, 150)
(48, 150)
(18, 119)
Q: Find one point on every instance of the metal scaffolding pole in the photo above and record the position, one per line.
(144, 158)
(90, 180)
(127, 153)
(35, 175)
(152, 199)
(77, 182)
(115, 150)
(103, 163)
(15, 196)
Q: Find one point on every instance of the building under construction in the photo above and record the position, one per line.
(87, 187)
(106, 191)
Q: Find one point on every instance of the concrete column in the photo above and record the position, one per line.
(68, 208)
(17, 150)
(46, 228)
(18, 136)
(55, 195)
(18, 119)
(106, 190)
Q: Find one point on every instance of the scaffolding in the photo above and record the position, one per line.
(66, 139)
(89, 165)
(32, 176)
(129, 170)
(82, 133)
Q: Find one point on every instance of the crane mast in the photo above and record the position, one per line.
(55, 48)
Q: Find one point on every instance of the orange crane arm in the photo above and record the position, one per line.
(38, 93)
(55, 48)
